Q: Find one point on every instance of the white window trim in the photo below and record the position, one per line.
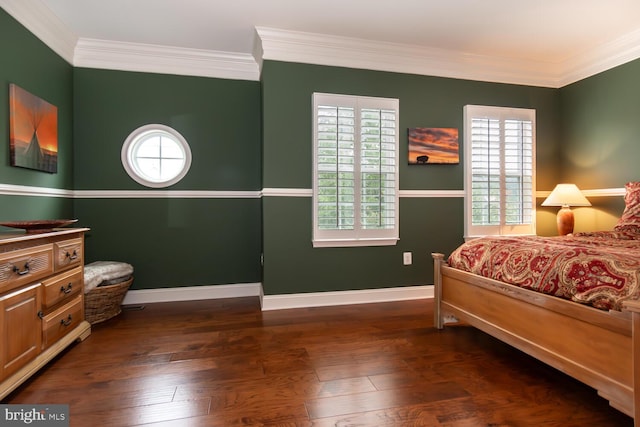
(357, 237)
(502, 114)
(128, 162)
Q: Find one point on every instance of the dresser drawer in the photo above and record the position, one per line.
(61, 321)
(62, 287)
(24, 266)
(68, 253)
(20, 328)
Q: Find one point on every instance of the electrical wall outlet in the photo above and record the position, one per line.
(406, 258)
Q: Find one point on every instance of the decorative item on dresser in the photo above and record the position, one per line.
(41, 300)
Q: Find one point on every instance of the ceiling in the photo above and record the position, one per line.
(550, 30)
(558, 35)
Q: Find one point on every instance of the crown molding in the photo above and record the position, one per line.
(111, 55)
(46, 26)
(321, 49)
(318, 49)
(601, 58)
(90, 53)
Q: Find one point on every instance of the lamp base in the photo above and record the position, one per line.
(565, 221)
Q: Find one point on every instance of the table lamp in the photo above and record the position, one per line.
(565, 195)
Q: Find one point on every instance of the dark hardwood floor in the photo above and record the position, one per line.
(226, 363)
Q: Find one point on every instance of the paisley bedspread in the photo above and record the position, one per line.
(600, 269)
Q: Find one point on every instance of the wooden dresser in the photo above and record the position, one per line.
(41, 301)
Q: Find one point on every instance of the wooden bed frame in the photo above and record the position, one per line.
(598, 348)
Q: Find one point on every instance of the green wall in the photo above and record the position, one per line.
(219, 118)
(174, 242)
(600, 137)
(171, 241)
(248, 136)
(600, 144)
(28, 63)
(291, 264)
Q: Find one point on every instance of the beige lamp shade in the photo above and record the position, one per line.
(565, 195)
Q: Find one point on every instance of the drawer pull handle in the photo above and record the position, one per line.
(72, 256)
(66, 322)
(66, 290)
(22, 272)
(41, 314)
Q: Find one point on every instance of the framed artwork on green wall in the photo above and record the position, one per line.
(33, 131)
(433, 146)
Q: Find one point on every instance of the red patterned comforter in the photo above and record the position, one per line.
(601, 269)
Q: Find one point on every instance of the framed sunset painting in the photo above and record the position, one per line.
(33, 131)
(433, 146)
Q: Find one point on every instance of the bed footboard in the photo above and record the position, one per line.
(598, 348)
(438, 259)
(634, 308)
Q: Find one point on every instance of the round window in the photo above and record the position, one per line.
(156, 156)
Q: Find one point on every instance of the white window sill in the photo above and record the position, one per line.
(335, 243)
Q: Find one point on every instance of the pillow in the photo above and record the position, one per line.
(98, 272)
(630, 219)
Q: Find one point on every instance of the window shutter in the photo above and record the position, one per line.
(518, 167)
(355, 170)
(378, 169)
(336, 167)
(485, 175)
(499, 171)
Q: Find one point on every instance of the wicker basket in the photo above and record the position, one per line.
(103, 303)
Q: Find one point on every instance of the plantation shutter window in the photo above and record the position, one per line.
(355, 183)
(336, 167)
(499, 171)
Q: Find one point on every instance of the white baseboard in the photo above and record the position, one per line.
(277, 302)
(322, 299)
(191, 293)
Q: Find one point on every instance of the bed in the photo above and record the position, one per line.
(572, 302)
